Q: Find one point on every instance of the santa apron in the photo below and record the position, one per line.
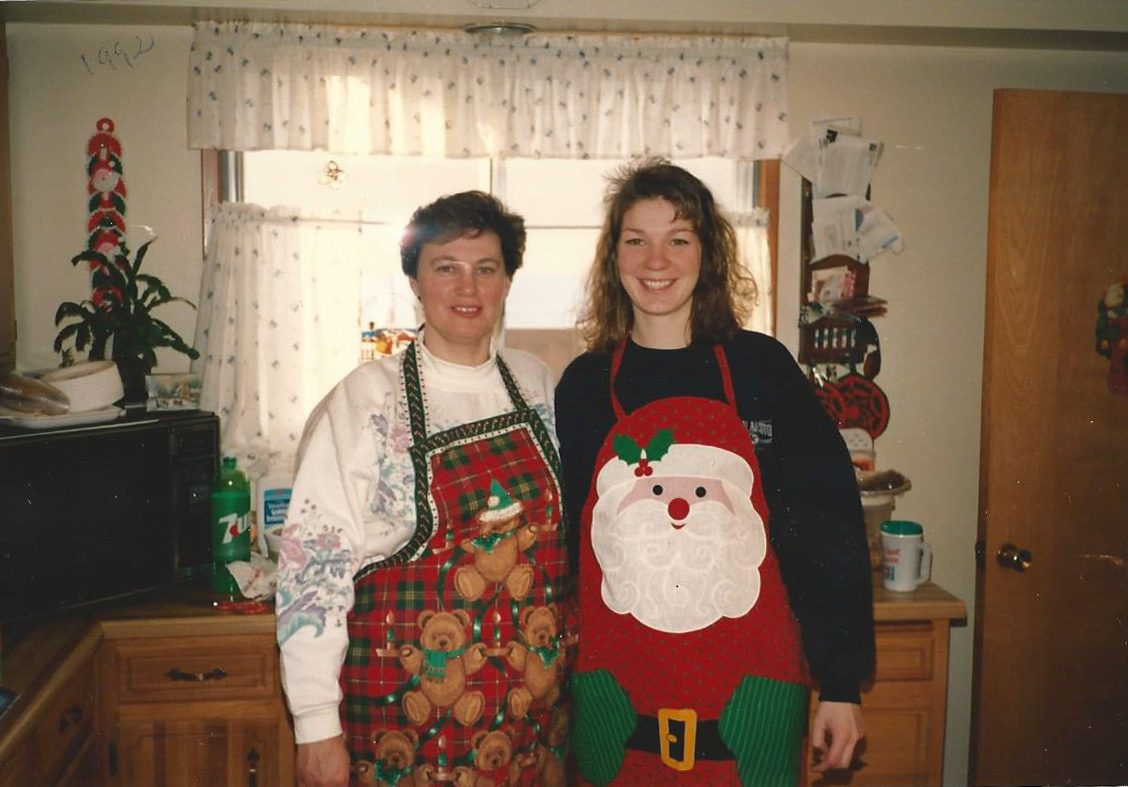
(455, 660)
(690, 669)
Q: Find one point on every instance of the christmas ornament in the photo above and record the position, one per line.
(1112, 335)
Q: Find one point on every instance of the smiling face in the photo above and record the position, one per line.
(659, 260)
(462, 285)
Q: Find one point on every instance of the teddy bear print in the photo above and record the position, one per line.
(395, 761)
(547, 758)
(494, 763)
(497, 548)
(443, 661)
(539, 657)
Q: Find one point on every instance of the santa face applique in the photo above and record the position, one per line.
(679, 547)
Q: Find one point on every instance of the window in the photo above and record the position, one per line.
(561, 201)
(302, 279)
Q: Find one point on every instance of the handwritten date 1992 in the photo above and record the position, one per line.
(121, 53)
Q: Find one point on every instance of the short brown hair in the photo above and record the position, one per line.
(468, 213)
(724, 288)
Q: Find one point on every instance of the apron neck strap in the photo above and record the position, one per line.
(413, 387)
(617, 361)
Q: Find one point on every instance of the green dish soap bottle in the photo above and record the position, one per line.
(231, 528)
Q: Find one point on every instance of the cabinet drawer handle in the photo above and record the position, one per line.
(196, 677)
(72, 715)
(252, 768)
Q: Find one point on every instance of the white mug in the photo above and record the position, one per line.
(906, 558)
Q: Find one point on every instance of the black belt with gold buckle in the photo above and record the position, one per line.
(679, 738)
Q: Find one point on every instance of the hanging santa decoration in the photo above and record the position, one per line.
(105, 224)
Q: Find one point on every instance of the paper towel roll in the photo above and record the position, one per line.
(90, 385)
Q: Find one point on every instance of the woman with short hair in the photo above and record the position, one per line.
(423, 566)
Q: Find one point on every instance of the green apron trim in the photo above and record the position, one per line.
(604, 721)
(763, 724)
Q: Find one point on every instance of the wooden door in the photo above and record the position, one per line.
(1050, 701)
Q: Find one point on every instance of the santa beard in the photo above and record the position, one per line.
(684, 580)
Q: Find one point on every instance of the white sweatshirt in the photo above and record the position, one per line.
(353, 504)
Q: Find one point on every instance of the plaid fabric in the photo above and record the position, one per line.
(400, 604)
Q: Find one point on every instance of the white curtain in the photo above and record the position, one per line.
(752, 234)
(255, 86)
(278, 324)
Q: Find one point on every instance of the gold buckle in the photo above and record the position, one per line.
(666, 736)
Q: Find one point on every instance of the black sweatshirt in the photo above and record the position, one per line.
(815, 514)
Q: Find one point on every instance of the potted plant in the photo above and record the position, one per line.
(120, 308)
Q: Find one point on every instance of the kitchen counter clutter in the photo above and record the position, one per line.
(162, 689)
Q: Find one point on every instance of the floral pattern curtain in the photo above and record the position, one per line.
(277, 324)
(361, 90)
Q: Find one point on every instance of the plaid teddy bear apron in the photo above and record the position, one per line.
(690, 669)
(456, 658)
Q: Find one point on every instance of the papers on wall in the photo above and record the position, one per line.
(845, 164)
(839, 163)
(853, 226)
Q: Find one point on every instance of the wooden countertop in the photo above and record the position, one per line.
(927, 602)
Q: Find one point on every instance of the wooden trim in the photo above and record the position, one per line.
(769, 200)
(210, 190)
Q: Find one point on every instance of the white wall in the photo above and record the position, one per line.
(55, 103)
(931, 106)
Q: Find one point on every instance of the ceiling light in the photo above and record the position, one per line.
(503, 29)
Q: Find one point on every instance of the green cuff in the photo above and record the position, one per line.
(604, 719)
(763, 724)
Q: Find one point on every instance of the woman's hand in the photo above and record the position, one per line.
(837, 728)
(323, 763)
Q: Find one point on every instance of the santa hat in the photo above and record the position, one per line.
(499, 505)
(663, 457)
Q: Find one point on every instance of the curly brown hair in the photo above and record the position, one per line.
(724, 292)
(468, 213)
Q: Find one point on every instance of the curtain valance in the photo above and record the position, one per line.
(363, 90)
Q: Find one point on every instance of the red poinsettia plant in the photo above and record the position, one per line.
(120, 307)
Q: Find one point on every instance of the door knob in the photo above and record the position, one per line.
(1010, 556)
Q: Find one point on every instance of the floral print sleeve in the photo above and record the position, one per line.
(341, 504)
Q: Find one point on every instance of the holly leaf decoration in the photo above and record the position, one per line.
(626, 449)
(659, 444)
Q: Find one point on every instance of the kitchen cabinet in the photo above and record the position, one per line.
(54, 741)
(194, 709)
(905, 707)
(186, 695)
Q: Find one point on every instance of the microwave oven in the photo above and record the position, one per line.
(93, 512)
